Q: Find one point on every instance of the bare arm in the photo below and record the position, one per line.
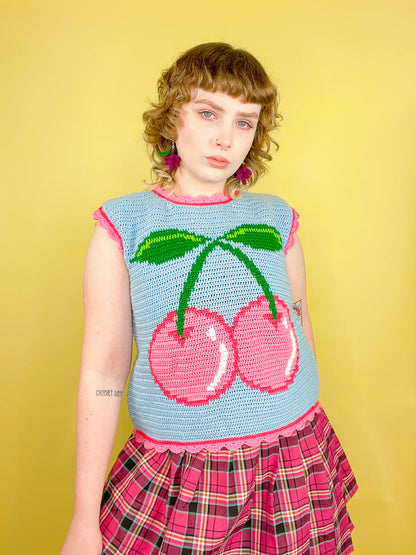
(105, 365)
(297, 278)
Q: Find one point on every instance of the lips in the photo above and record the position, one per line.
(217, 161)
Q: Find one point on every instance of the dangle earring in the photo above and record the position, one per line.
(171, 159)
(243, 173)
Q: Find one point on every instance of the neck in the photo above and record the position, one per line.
(181, 187)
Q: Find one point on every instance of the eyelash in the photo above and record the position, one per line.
(247, 126)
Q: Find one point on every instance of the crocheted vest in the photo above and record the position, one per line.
(222, 357)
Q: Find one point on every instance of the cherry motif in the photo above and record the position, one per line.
(193, 353)
(197, 367)
(267, 349)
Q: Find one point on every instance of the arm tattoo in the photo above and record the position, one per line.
(297, 307)
(109, 393)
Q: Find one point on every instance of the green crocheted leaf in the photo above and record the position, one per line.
(167, 244)
(257, 236)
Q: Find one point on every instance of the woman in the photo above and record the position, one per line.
(231, 451)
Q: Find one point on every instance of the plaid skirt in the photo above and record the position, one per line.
(284, 497)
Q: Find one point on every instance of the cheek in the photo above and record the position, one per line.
(188, 134)
(246, 144)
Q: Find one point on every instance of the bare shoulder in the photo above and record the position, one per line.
(103, 254)
(105, 272)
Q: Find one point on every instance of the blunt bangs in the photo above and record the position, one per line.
(219, 67)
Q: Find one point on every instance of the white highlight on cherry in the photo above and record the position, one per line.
(293, 354)
(223, 360)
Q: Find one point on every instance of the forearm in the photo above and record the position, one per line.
(97, 416)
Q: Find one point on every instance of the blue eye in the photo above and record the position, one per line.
(245, 125)
(207, 114)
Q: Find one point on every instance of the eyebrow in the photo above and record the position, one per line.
(220, 109)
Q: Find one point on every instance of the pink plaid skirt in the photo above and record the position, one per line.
(285, 497)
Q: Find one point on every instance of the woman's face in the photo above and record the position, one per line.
(214, 135)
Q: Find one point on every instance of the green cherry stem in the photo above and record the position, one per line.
(189, 284)
(256, 273)
(196, 269)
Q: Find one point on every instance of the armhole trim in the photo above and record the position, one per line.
(108, 225)
(295, 226)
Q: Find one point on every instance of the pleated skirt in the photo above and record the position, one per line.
(284, 497)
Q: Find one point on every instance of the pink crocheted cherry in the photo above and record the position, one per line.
(267, 349)
(198, 366)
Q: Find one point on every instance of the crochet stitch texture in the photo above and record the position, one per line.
(222, 357)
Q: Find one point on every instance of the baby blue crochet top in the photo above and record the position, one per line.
(222, 357)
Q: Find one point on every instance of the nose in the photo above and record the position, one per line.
(224, 143)
(224, 137)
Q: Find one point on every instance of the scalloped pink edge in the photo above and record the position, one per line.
(108, 225)
(217, 198)
(229, 443)
(295, 226)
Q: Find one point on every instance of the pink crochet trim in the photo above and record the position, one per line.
(229, 443)
(295, 226)
(108, 225)
(217, 198)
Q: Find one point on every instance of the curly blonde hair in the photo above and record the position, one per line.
(212, 66)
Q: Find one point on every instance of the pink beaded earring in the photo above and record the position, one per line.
(172, 160)
(243, 173)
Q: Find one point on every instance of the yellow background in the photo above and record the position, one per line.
(76, 77)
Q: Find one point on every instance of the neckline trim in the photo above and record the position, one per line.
(201, 200)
